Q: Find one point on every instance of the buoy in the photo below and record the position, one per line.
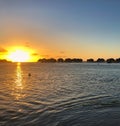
(29, 74)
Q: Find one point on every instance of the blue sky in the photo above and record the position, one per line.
(62, 28)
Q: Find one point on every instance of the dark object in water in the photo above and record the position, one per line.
(29, 74)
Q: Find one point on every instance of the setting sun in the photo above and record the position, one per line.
(19, 56)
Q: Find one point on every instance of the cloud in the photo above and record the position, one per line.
(62, 52)
(45, 56)
(2, 50)
(27, 44)
(35, 54)
(63, 56)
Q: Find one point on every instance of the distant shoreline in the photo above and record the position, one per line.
(69, 60)
(79, 60)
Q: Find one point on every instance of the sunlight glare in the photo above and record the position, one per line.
(19, 56)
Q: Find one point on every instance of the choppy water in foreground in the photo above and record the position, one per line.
(59, 94)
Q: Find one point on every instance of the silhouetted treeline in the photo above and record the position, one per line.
(4, 61)
(60, 60)
(79, 60)
(75, 60)
(51, 60)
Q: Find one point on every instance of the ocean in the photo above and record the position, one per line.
(59, 94)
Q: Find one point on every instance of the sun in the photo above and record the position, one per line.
(19, 56)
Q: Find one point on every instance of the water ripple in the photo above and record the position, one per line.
(59, 95)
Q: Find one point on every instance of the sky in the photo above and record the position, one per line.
(61, 28)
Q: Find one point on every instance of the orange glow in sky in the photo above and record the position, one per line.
(21, 54)
(88, 30)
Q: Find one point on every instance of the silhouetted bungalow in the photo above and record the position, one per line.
(90, 60)
(51, 60)
(100, 60)
(42, 60)
(118, 60)
(60, 60)
(76, 60)
(68, 60)
(110, 60)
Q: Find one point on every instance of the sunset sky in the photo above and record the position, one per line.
(60, 28)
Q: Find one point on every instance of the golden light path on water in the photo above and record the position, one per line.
(18, 84)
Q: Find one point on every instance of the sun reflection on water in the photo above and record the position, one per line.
(18, 85)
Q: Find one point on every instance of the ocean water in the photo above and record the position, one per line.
(59, 94)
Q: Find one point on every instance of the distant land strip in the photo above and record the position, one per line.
(79, 60)
(72, 60)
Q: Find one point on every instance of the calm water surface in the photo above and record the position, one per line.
(59, 94)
